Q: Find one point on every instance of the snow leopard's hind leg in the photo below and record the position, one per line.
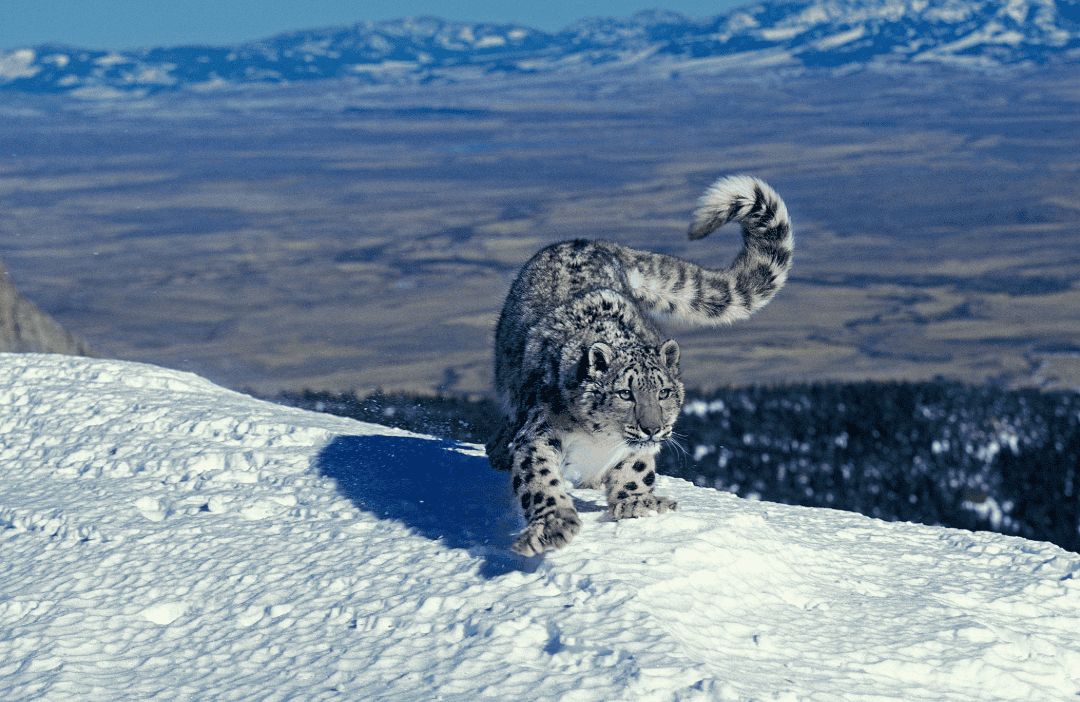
(499, 446)
(629, 488)
(550, 518)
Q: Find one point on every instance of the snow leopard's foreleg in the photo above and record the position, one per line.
(629, 487)
(550, 518)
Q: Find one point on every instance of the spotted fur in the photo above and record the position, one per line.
(589, 386)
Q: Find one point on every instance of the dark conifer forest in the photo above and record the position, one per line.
(979, 458)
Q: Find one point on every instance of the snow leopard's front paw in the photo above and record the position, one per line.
(548, 531)
(641, 505)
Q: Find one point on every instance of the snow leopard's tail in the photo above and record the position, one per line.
(693, 294)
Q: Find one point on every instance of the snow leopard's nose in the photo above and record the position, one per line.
(649, 420)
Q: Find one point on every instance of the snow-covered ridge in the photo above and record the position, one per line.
(809, 33)
(164, 538)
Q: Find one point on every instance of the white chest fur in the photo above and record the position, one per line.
(586, 457)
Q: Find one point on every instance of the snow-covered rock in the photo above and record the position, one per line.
(164, 538)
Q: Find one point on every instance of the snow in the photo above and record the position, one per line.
(18, 64)
(835, 40)
(164, 538)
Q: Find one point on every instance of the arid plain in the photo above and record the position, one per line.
(335, 237)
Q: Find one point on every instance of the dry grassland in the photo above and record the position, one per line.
(342, 239)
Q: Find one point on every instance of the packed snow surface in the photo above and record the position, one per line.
(164, 538)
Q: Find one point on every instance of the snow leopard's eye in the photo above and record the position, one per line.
(625, 395)
(664, 393)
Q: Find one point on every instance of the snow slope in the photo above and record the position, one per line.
(164, 538)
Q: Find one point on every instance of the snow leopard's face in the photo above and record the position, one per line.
(634, 394)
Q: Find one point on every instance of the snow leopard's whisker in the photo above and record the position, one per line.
(680, 450)
(674, 441)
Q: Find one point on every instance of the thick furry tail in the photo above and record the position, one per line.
(692, 294)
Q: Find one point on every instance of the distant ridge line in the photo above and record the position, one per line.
(807, 34)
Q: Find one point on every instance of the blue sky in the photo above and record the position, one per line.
(125, 24)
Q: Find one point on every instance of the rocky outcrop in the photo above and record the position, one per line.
(24, 327)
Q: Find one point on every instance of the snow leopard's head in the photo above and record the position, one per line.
(631, 392)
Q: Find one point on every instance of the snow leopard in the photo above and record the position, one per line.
(589, 386)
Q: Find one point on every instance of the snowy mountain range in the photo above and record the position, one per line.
(803, 33)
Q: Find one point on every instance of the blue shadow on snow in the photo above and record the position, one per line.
(444, 490)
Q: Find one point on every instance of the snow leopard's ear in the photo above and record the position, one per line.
(600, 355)
(669, 353)
(595, 360)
